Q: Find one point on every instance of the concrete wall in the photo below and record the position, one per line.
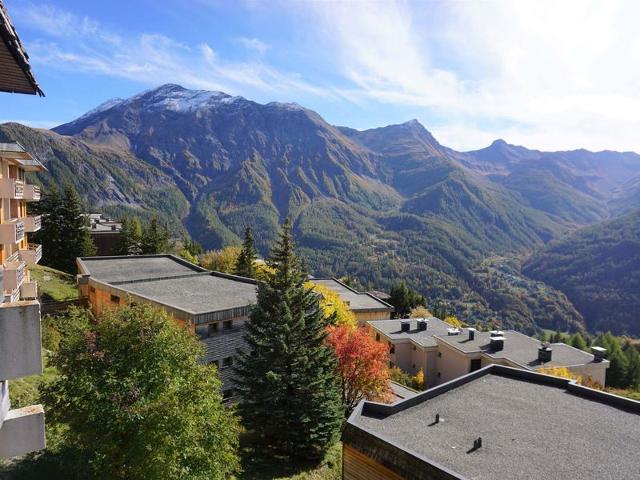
(596, 371)
(20, 340)
(22, 432)
(451, 363)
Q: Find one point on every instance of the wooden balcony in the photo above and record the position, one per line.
(31, 255)
(11, 188)
(31, 193)
(12, 232)
(32, 224)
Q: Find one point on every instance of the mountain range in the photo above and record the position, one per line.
(378, 205)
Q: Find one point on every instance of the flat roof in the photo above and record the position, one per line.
(137, 267)
(518, 348)
(391, 328)
(357, 300)
(531, 425)
(172, 281)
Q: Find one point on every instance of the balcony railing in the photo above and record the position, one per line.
(14, 274)
(11, 232)
(29, 290)
(11, 188)
(31, 193)
(33, 224)
(31, 255)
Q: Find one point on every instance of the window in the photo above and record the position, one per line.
(438, 374)
(476, 364)
(392, 365)
(92, 289)
(202, 331)
(392, 349)
(227, 325)
(115, 298)
(414, 348)
(377, 337)
(215, 362)
(227, 394)
(227, 362)
(212, 328)
(414, 366)
(439, 354)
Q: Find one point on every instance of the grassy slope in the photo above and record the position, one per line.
(54, 285)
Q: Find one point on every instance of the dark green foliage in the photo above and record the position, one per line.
(290, 395)
(64, 234)
(155, 238)
(193, 247)
(245, 266)
(131, 401)
(598, 269)
(633, 366)
(578, 341)
(130, 240)
(404, 299)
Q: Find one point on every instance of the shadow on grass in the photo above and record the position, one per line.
(259, 463)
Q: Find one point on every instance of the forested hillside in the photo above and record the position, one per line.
(378, 205)
(599, 270)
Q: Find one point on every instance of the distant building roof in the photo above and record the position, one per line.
(531, 426)
(378, 294)
(172, 282)
(357, 301)
(517, 347)
(15, 152)
(15, 71)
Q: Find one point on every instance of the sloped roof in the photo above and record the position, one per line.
(357, 301)
(15, 71)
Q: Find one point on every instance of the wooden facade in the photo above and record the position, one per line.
(358, 466)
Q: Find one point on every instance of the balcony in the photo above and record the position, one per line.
(31, 255)
(11, 232)
(32, 224)
(22, 432)
(29, 290)
(11, 188)
(31, 193)
(14, 273)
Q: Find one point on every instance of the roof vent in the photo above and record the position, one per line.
(496, 333)
(544, 353)
(472, 333)
(405, 325)
(599, 353)
(453, 331)
(497, 343)
(423, 324)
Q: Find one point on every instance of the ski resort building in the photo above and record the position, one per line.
(21, 429)
(444, 353)
(496, 422)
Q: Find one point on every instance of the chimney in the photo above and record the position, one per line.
(472, 333)
(405, 325)
(496, 333)
(423, 324)
(497, 343)
(453, 331)
(544, 353)
(599, 353)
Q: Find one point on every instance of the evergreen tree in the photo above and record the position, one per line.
(633, 366)
(155, 238)
(578, 341)
(50, 235)
(290, 394)
(130, 239)
(245, 265)
(617, 371)
(404, 299)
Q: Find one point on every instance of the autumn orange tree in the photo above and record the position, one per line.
(362, 365)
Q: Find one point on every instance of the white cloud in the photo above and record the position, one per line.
(254, 44)
(548, 74)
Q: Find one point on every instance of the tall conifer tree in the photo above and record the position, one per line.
(245, 266)
(290, 394)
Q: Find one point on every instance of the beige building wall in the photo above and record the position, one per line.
(451, 363)
(597, 372)
(364, 317)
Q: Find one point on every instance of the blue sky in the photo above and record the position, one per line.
(551, 75)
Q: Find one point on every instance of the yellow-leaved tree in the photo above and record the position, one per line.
(420, 312)
(418, 380)
(331, 303)
(223, 260)
(453, 321)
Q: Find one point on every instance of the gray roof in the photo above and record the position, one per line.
(200, 293)
(391, 328)
(518, 348)
(358, 301)
(128, 268)
(171, 281)
(531, 425)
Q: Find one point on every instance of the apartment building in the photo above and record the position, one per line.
(105, 233)
(444, 353)
(22, 429)
(364, 305)
(496, 422)
(213, 306)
